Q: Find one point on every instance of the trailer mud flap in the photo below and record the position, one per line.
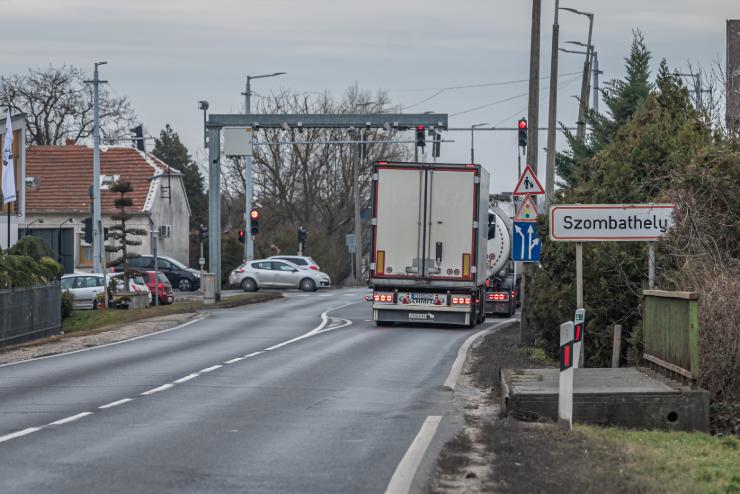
(422, 316)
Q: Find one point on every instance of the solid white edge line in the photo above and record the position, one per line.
(13, 435)
(115, 403)
(462, 354)
(157, 389)
(180, 326)
(71, 418)
(211, 368)
(403, 476)
(186, 378)
(237, 359)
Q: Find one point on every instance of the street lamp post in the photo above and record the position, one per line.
(472, 138)
(552, 111)
(583, 107)
(39, 220)
(60, 253)
(249, 240)
(203, 105)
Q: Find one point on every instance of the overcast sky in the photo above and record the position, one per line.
(167, 55)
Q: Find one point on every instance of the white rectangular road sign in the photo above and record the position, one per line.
(610, 222)
(238, 141)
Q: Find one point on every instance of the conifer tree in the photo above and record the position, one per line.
(120, 233)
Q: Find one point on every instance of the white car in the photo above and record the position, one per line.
(275, 273)
(84, 287)
(302, 262)
(136, 284)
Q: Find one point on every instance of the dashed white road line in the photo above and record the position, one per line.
(253, 354)
(237, 359)
(13, 435)
(71, 418)
(158, 389)
(115, 403)
(402, 478)
(186, 378)
(209, 369)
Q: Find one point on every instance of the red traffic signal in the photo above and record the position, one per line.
(523, 124)
(523, 132)
(241, 236)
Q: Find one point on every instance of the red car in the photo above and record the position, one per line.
(166, 296)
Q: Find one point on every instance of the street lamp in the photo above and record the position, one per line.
(583, 107)
(249, 243)
(472, 137)
(203, 105)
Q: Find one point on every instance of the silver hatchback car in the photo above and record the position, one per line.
(274, 273)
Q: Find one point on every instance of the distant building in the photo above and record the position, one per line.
(57, 190)
(732, 106)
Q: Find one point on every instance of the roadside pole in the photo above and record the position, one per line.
(579, 275)
(651, 265)
(565, 385)
(578, 334)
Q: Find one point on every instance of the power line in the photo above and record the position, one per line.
(524, 109)
(510, 98)
(473, 86)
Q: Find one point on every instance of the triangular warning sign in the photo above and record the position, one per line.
(527, 211)
(528, 183)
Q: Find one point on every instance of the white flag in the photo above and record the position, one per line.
(8, 170)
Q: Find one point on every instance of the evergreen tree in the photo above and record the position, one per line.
(120, 232)
(170, 149)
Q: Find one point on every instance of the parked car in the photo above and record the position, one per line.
(136, 284)
(303, 262)
(180, 276)
(275, 273)
(84, 287)
(162, 286)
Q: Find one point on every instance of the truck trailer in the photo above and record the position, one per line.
(430, 227)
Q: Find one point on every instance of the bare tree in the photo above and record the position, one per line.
(59, 105)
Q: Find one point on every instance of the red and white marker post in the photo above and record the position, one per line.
(578, 334)
(565, 396)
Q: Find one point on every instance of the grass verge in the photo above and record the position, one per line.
(91, 320)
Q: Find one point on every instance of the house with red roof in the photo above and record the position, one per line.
(57, 200)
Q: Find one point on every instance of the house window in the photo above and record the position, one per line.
(85, 251)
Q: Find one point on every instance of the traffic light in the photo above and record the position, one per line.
(138, 132)
(523, 132)
(203, 232)
(87, 229)
(241, 236)
(254, 219)
(302, 234)
(420, 137)
(436, 144)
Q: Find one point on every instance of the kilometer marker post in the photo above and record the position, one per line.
(565, 391)
(578, 334)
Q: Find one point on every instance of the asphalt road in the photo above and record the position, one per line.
(234, 403)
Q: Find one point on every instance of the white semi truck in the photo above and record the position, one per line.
(430, 225)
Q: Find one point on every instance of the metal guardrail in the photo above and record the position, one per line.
(671, 331)
(30, 313)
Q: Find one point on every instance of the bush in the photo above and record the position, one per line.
(21, 271)
(32, 247)
(67, 300)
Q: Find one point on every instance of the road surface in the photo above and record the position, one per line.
(302, 394)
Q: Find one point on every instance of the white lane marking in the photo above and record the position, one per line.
(253, 354)
(157, 389)
(186, 378)
(71, 418)
(302, 295)
(106, 344)
(211, 368)
(318, 329)
(115, 403)
(350, 294)
(13, 435)
(237, 359)
(406, 470)
(462, 353)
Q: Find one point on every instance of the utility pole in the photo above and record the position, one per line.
(248, 193)
(596, 72)
(96, 217)
(534, 85)
(552, 111)
(583, 107)
(358, 220)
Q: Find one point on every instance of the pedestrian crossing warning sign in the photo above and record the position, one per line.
(527, 211)
(528, 183)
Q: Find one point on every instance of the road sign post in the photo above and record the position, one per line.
(565, 385)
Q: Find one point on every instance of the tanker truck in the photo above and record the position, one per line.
(504, 275)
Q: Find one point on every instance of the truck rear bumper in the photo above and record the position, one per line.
(507, 308)
(427, 315)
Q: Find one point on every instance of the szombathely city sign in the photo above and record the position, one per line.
(610, 222)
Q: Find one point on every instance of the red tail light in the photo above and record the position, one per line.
(383, 297)
(315, 268)
(461, 300)
(161, 287)
(498, 296)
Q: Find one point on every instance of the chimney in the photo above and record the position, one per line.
(70, 142)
